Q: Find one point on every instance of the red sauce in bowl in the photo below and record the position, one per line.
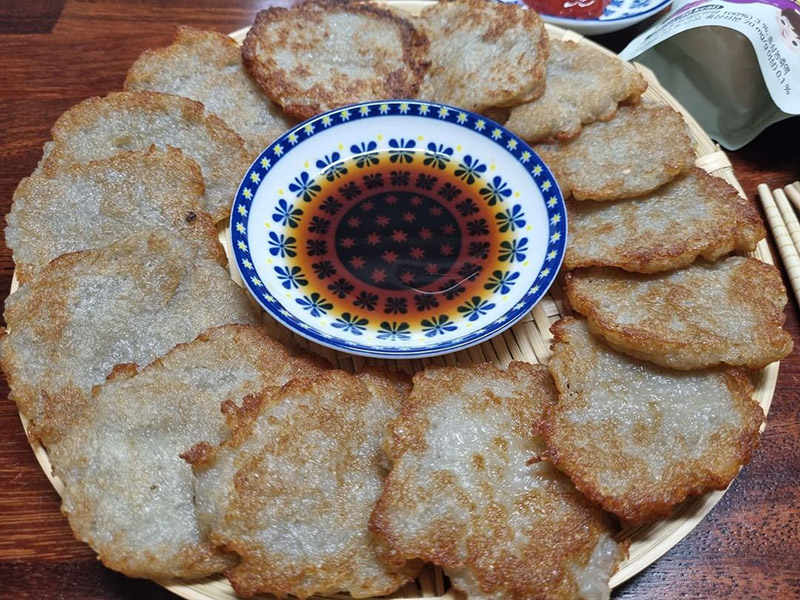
(572, 9)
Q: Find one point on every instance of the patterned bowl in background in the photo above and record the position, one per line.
(618, 15)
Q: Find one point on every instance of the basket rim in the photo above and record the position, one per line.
(647, 543)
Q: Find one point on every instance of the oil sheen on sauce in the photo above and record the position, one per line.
(398, 236)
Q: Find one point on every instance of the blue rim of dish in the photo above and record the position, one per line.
(557, 19)
(509, 142)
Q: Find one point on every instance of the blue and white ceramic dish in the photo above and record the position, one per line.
(398, 229)
(619, 14)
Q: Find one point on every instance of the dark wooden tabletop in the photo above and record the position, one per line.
(54, 54)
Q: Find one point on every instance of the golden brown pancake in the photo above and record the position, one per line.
(708, 314)
(583, 85)
(466, 491)
(292, 491)
(697, 215)
(640, 149)
(483, 54)
(207, 66)
(317, 56)
(98, 128)
(637, 438)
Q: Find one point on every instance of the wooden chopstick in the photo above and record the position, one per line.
(793, 191)
(789, 217)
(783, 239)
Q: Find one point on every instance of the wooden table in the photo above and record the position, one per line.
(55, 53)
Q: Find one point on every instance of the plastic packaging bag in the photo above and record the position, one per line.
(735, 66)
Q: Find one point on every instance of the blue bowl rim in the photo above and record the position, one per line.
(435, 110)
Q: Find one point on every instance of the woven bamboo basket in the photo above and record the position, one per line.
(529, 340)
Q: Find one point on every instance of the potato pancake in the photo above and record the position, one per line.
(697, 215)
(90, 205)
(317, 56)
(128, 493)
(637, 438)
(292, 491)
(483, 54)
(728, 312)
(101, 127)
(89, 311)
(207, 66)
(467, 491)
(639, 150)
(583, 86)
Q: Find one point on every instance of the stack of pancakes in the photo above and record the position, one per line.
(191, 442)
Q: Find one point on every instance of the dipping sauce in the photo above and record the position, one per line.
(402, 233)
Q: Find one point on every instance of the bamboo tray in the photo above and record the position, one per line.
(529, 340)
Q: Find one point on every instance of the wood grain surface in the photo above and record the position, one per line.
(54, 54)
